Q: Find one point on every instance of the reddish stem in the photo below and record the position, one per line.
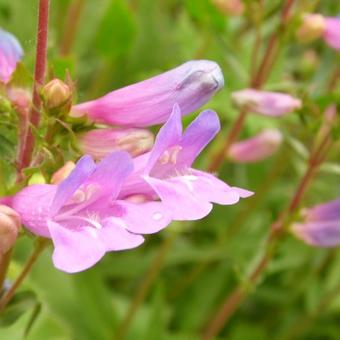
(72, 21)
(235, 299)
(257, 81)
(39, 77)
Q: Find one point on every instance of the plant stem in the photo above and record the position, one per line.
(71, 25)
(40, 246)
(234, 300)
(268, 60)
(39, 78)
(236, 224)
(5, 259)
(144, 287)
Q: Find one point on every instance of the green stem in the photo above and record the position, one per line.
(6, 298)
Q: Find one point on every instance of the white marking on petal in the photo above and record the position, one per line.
(157, 216)
(93, 233)
(187, 180)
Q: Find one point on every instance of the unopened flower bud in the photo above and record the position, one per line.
(63, 172)
(57, 97)
(274, 104)
(9, 227)
(100, 142)
(312, 27)
(230, 7)
(256, 148)
(321, 225)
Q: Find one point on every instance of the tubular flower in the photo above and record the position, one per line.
(257, 148)
(10, 54)
(100, 142)
(150, 102)
(321, 225)
(274, 104)
(332, 32)
(83, 216)
(188, 193)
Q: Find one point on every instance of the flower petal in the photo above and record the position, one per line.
(324, 212)
(75, 250)
(33, 205)
(111, 173)
(213, 189)
(197, 135)
(150, 102)
(319, 234)
(332, 32)
(178, 196)
(115, 236)
(169, 135)
(84, 168)
(10, 53)
(145, 218)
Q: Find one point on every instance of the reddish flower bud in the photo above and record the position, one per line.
(100, 142)
(230, 7)
(256, 148)
(274, 104)
(9, 226)
(56, 97)
(63, 172)
(312, 27)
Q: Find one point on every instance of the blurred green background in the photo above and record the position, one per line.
(191, 266)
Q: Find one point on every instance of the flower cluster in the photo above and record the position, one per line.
(110, 205)
(139, 184)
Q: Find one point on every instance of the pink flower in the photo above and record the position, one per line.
(188, 193)
(332, 32)
(274, 104)
(257, 148)
(83, 215)
(100, 142)
(10, 53)
(150, 102)
(321, 225)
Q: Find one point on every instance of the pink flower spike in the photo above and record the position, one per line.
(273, 104)
(83, 215)
(332, 32)
(321, 225)
(257, 148)
(100, 142)
(150, 102)
(188, 193)
(10, 54)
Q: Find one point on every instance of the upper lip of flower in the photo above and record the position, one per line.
(217, 76)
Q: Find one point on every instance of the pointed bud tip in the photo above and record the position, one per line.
(56, 96)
